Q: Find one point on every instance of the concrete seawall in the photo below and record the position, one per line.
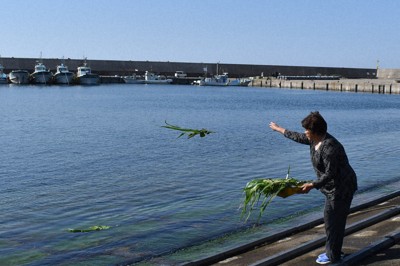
(384, 86)
(124, 68)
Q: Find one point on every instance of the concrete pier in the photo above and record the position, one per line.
(378, 86)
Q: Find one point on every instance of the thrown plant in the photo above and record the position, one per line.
(190, 132)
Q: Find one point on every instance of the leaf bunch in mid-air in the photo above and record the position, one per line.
(188, 131)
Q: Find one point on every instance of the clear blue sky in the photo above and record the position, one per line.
(336, 33)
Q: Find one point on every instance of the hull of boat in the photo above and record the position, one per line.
(245, 83)
(218, 80)
(223, 82)
(63, 78)
(237, 82)
(43, 77)
(19, 77)
(3, 80)
(212, 83)
(133, 80)
(164, 81)
(89, 79)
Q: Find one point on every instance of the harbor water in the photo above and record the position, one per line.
(76, 157)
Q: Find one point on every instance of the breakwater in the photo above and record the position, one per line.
(125, 68)
(384, 86)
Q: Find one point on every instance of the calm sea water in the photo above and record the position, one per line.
(75, 157)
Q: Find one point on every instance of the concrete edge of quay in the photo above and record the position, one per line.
(379, 86)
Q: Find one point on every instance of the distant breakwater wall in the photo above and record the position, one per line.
(379, 86)
(124, 68)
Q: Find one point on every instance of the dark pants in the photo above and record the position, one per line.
(335, 215)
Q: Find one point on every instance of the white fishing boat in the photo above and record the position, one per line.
(63, 75)
(151, 78)
(19, 76)
(217, 80)
(222, 80)
(86, 77)
(134, 79)
(41, 75)
(3, 76)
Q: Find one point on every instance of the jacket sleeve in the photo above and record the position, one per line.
(296, 136)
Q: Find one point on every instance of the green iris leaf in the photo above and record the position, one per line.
(90, 229)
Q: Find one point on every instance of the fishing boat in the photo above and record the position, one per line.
(222, 80)
(41, 75)
(63, 75)
(85, 76)
(134, 79)
(151, 78)
(3, 76)
(216, 80)
(19, 76)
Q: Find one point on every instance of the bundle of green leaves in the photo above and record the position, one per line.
(267, 189)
